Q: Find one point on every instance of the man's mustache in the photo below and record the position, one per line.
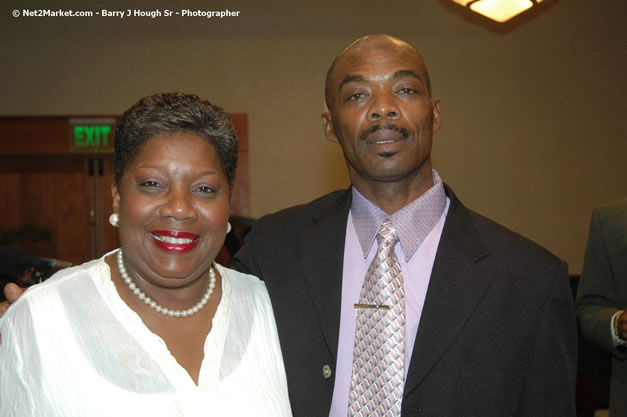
(364, 135)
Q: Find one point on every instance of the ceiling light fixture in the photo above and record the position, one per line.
(499, 10)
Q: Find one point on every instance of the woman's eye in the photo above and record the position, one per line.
(150, 184)
(205, 189)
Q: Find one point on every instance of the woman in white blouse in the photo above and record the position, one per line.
(155, 328)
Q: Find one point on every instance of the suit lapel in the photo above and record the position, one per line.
(455, 287)
(322, 254)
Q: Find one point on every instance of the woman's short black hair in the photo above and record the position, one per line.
(174, 113)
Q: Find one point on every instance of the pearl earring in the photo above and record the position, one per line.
(114, 219)
(228, 227)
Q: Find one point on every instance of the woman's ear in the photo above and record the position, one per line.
(115, 193)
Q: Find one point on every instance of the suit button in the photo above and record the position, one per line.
(326, 372)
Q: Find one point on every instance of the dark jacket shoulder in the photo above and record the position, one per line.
(513, 251)
(289, 219)
(271, 243)
(475, 233)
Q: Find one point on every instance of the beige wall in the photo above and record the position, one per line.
(533, 124)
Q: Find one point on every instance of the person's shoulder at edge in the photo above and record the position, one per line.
(612, 208)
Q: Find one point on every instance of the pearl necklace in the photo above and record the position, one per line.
(153, 304)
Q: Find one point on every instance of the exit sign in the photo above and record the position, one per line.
(91, 135)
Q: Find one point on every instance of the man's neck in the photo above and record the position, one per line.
(393, 196)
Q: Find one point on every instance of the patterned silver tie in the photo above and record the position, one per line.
(379, 354)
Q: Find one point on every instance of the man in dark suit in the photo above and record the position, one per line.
(602, 294)
(490, 319)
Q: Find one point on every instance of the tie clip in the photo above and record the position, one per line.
(373, 306)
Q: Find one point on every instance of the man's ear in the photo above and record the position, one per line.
(436, 114)
(115, 193)
(327, 122)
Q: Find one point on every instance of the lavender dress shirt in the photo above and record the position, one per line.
(419, 225)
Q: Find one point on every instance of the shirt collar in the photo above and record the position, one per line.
(413, 222)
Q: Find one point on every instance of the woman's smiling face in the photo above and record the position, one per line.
(174, 205)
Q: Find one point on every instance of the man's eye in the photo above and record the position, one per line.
(407, 90)
(356, 96)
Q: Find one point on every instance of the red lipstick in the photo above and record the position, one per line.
(174, 241)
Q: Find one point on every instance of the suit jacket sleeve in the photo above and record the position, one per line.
(597, 295)
(549, 388)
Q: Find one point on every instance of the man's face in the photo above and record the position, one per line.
(382, 113)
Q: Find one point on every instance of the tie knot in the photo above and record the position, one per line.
(387, 236)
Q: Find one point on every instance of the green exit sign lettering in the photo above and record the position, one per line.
(90, 135)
